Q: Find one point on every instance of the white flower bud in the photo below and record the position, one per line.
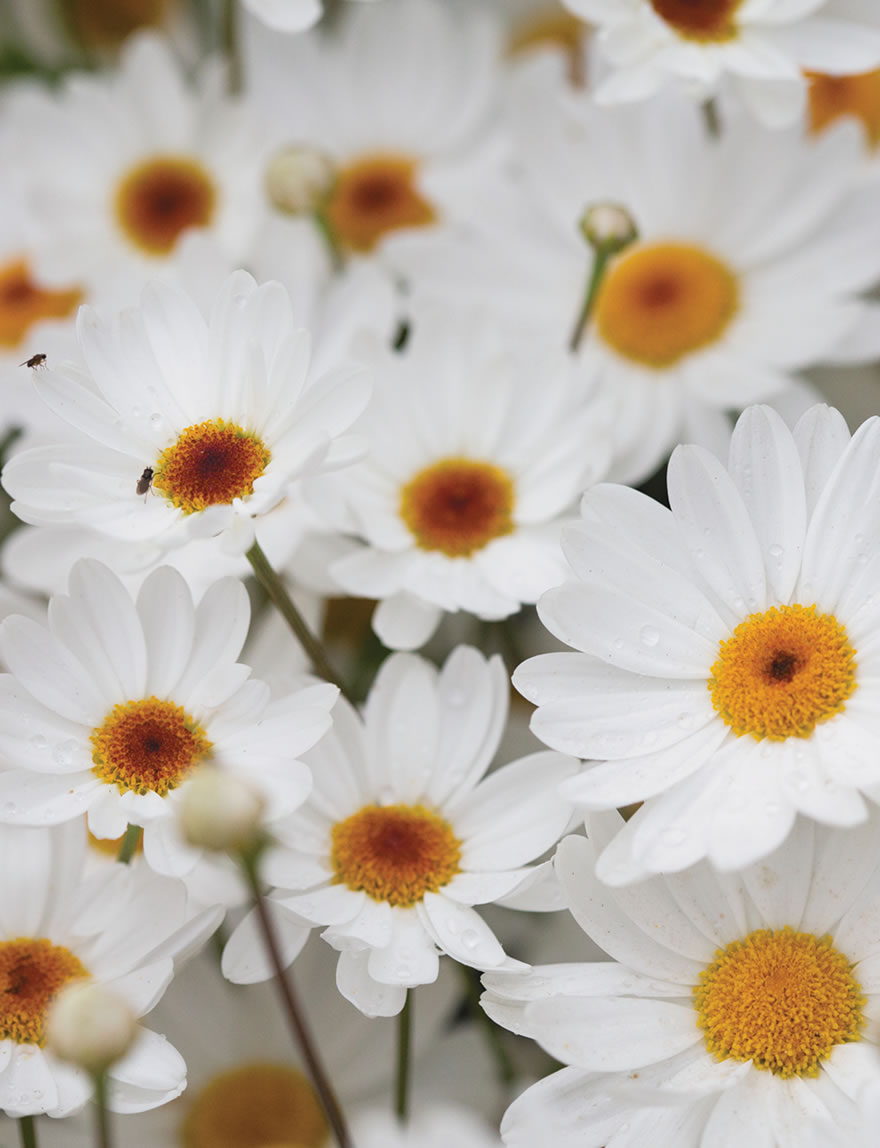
(609, 226)
(298, 179)
(220, 811)
(90, 1026)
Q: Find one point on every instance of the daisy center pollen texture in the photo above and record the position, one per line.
(663, 301)
(699, 19)
(159, 199)
(23, 302)
(394, 853)
(256, 1106)
(373, 196)
(835, 97)
(32, 973)
(147, 746)
(212, 463)
(782, 672)
(458, 506)
(780, 999)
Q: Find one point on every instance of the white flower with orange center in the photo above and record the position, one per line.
(189, 426)
(118, 167)
(122, 929)
(110, 710)
(729, 673)
(734, 1011)
(404, 834)
(461, 497)
(722, 298)
(761, 46)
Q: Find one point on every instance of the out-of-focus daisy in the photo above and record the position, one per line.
(122, 928)
(724, 295)
(109, 710)
(286, 15)
(434, 1127)
(736, 1010)
(763, 46)
(191, 426)
(730, 667)
(475, 453)
(403, 838)
(119, 167)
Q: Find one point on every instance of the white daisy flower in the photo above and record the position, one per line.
(120, 166)
(477, 449)
(831, 96)
(286, 15)
(736, 1010)
(723, 297)
(762, 46)
(109, 710)
(403, 837)
(124, 928)
(730, 667)
(190, 426)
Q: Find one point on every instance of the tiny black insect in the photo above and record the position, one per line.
(38, 360)
(145, 482)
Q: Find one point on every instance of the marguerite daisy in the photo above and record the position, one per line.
(109, 710)
(730, 668)
(737, 1010)
(403, 837)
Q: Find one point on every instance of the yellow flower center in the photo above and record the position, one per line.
(780, 999)
(256, 1106)
(394, 853)
(458, 506)
(708, 20)
(662, 301)
(32, 972)
(110, 846)
(372, 197)
(23, 302)
(105, 24)
(782, 672)
(159, 199)
(212, 463)
(833, 97)
(553, 27)
(147, 746)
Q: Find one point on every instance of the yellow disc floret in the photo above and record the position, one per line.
(256, 1106)
(372, 197)
(24, 302)
(707, 20)
(211, 463)
(836, 97)
(782, 672)
(160, 199)
(662, 301)
(147, 746)
(780, 999)
(394, 853)
(458, 505)
(32, 973)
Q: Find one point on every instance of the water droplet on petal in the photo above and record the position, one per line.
(649, 635)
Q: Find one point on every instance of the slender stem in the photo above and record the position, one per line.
(404, 1043)
(295, 1015)
(277, 593)
(601, 257)
(333, 248)
(504, 1069)
(232, 44)
(102, 1122)
(712, 117)
(130, 842)
(27, 1131)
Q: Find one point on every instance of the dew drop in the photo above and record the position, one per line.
(470, 939)
(649, 635)
(617, 643)
(776, 552)
(39, 742)
(685, 721)
(673, 836)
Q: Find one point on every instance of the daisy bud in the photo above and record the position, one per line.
(608, 226)
(298, 179)
(89, 1026)
(221, 812)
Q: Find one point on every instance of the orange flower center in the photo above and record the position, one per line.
(212, 463)
(23, 303)
(106, 23)
(783, 672)
(147, 746)
(32, 972)
(834, 97)
(394, 853)
(372, 197)
(711, 20)
(552, 27)
(660, 302)
(458, 506)
(159, 199)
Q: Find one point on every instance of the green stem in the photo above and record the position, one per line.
(333, 248)
(404, 1044)
(102, 1122)
(601, 257)
(232, 44)
(277, 594)
(130, 842)
(27, 1131)
(712, 117)
(295, 1016)
(504, 1069)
